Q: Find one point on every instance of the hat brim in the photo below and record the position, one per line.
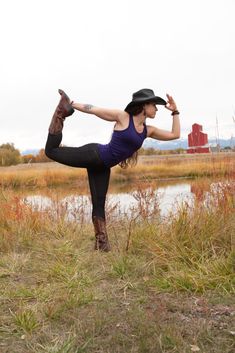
(154, 99)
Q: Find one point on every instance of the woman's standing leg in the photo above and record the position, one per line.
(99, 182)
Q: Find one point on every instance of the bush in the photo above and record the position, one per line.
(9, 155)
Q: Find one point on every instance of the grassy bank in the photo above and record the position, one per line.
(54, 174)
(167, 286)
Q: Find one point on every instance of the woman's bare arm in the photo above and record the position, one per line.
(103, 113)
(164, 135)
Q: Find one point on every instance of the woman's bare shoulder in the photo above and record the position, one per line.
(123, 114)
(123, 120)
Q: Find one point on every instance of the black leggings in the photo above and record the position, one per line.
(83, 157)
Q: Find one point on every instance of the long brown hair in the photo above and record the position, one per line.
(132, 160)
(129, 162)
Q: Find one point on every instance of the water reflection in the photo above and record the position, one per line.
(79, 206)
(147, 200)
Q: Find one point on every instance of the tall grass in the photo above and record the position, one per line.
(167, 286)
(194, 250)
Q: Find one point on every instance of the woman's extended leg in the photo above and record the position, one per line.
(99, 182)
(81, 157)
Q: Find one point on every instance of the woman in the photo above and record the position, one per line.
(129, 132)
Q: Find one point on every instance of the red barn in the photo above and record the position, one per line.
(198, 140)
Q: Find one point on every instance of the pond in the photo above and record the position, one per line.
(125, 199)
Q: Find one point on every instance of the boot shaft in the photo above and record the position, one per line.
(102, 242)
(63, 110)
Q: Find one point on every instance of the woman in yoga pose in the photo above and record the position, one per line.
(130, 131)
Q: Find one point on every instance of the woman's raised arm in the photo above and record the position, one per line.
(103, 113)
(164, 135)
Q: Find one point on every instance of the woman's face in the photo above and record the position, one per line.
(150, 110)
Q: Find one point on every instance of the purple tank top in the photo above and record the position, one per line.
(122, 145)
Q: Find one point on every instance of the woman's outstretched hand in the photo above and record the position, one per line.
(170, 105)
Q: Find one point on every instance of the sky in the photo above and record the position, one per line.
(100, 52)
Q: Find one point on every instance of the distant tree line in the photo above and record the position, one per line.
(9, 155)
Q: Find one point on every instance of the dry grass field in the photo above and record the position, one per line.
(148, 167)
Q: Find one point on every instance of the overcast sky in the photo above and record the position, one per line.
(100, 52)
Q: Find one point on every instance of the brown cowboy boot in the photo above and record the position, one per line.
(63, 110)
(101, 241)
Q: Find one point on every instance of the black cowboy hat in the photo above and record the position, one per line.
(145, 95)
